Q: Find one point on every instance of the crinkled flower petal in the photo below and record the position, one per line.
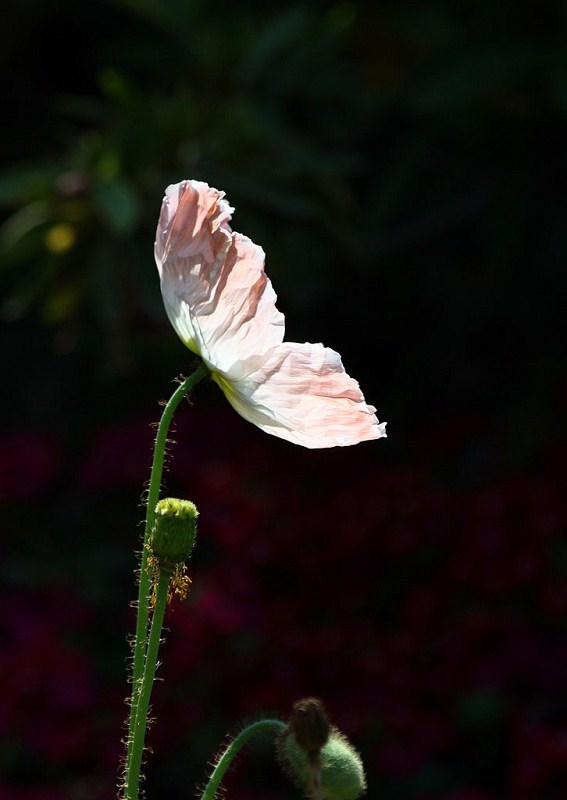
(216, 293)
(222, 305)
(302, 393)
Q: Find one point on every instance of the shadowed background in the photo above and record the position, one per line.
(403, 166)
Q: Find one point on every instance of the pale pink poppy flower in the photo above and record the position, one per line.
(223, 307)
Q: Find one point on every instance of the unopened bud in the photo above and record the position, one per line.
(174, 531)
(310, 724)
(332, 768)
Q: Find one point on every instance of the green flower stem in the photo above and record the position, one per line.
(263, 726)
(144, 587)
(132, 787)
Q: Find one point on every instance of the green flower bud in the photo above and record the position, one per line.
(337, 768)
(174, 531)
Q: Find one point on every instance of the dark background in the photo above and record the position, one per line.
(403, 164)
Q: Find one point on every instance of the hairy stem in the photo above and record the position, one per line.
(139, 733)
(140, 640)
(263, 726)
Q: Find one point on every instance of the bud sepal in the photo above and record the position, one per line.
(170, 544)
(317, 757)
(173, 535)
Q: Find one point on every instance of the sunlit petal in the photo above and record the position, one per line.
(216, 293)
(222, 305)
(302, 393)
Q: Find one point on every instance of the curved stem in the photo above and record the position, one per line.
(144, 584)
(263, 726)
(139, 732)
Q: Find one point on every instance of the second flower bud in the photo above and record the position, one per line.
(173, 535)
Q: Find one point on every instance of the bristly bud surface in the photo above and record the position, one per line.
(317, 757)
(173, 535)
